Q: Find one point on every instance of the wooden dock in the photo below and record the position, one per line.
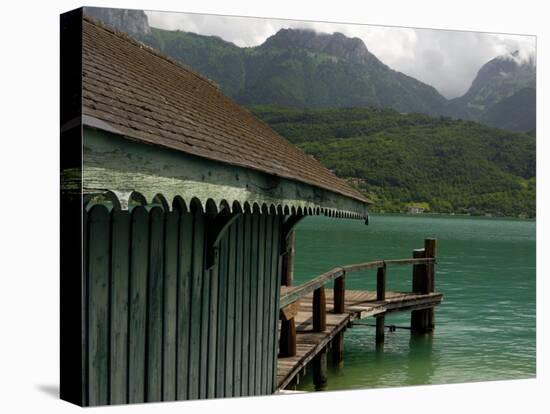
(313, 320)
(359, 305)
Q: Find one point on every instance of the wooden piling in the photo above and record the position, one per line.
(418, 273)
(380, 295)
(380, 320)
(430, 252)
(340, 294)
(319, 310)
(287, 341)
(320, 370)
(288, 259)
(338, 349)
(423, 320)
(381, 283)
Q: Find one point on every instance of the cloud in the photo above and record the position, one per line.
(448, 60)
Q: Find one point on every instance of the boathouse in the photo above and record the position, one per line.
(181, 202)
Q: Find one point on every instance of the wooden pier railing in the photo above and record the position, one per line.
(423, 282)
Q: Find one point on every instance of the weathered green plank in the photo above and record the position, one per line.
(98, 306)
(277, 282)
(138, 305)
(196, 298)
(170, 305)
(185, 249)
(259, 313)
(237, 365)
(222, 317)
(252, 377)
(266, 350)
(178, 332)
(245, 321)
(229, 346)
(273, 309)
(155, 305)
(120, 275)
(205, 312)
(213, 325)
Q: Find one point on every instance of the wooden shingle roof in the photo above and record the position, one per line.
(148, 97)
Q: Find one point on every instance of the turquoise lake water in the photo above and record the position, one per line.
(485, 326)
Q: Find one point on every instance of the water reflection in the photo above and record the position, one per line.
(422, 359)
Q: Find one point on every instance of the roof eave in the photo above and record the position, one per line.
(130, 168)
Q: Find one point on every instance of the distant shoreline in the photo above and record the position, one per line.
(451, 215)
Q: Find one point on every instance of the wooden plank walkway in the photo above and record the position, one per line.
(358, 304)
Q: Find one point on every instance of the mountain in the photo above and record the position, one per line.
(133, 22)
(337, 45)
(399, 160)
(300, 68)
(502, 83)
(304, 68)
(517, 112)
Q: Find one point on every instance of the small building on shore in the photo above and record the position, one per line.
(417, 208)
(177, 208)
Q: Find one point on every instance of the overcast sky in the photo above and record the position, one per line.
(447, 60)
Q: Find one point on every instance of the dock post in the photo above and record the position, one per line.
(380, 320)
(340, 294)
(430, 252)
(320, 370)
(381, 283)
(423, 320)
(338, 349)
(418, 273)
(319, 310)
(380, 296)
(287, 341)
(288, 259)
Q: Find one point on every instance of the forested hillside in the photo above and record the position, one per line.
(451, 166)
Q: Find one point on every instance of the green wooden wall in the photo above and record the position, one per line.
(158, 326)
